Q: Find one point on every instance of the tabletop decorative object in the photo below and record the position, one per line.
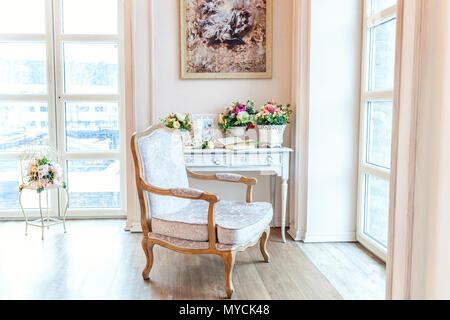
(236, 119)
(271, 121)
(40, 172)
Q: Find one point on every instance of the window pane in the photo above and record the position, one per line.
(376, 213)
(23, 68)
(22, 16)
(94, 183)
(98, 16)
(382, 56)
(92, 126)
(379, 135)
(9, 185)
(91, 68)
(10, 180)
(380, 5)
(23, 124)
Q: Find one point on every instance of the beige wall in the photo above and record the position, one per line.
(328, 98)
(171, 94)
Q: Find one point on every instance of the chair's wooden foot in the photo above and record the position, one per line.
(263, 244)
(148, 250)
(229, 259)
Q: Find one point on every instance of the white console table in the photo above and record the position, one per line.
(274, 161)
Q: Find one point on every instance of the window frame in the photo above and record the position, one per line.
(365, 168)
(66, 156)
(55, 99)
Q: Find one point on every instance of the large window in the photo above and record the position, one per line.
(61, 83)
(376, 124)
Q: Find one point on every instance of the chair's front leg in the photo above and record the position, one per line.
(148, 250)
(229, 258)
(263, 244)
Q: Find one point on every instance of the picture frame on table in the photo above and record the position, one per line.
(205, 128)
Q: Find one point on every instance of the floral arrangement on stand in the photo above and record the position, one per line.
(238, 115)
(180, 121)
(273, 113)
(42, 173)
(271, 121)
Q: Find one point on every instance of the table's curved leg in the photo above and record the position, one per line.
(23, 212)
(42, 218)
(284, 189)
(48, 219)
(65, 209)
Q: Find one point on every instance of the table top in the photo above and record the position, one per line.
(250, 150)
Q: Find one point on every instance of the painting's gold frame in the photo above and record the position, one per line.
(225, 75)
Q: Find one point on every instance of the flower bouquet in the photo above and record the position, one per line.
(238, 118)
(42, 173)
(178, 121)
(273, 114)
(271, 121)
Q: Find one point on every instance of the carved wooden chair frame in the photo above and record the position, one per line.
(229, 256)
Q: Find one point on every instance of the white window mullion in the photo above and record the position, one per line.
(71, 98)
(384, 15)
(378, 95)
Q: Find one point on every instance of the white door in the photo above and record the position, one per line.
(62, 83)
(376, 124)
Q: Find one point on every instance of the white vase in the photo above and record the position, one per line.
(270, 136)
(186, 137)
(237, 132)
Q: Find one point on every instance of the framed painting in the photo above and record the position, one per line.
(226, 39)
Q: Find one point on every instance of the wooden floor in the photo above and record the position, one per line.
(97, 259)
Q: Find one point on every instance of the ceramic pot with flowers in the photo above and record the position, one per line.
(271, 122)
(237, 119)
(181, 122)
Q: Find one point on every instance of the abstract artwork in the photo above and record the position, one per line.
(225, 39)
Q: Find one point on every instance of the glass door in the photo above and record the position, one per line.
(89, 86)
(27, 100)
(62, 83)
(376, 124)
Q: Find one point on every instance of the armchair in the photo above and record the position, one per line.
(187, 220)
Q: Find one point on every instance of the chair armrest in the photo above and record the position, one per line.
(188, 193)
(227, 177)
(224, 177)
(185, 193)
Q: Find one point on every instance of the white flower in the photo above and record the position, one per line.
(243, 116)
(176, 125)
(43, 170)
(181, 117)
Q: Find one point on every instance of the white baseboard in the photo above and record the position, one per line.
(330, 237)
(136, 227)
(297, 235)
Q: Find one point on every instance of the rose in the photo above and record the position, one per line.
(43, 170)
(240, 108)
(243, 116)
(181, 117)
(176, 125)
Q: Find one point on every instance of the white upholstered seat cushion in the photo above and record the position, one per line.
(236, 222)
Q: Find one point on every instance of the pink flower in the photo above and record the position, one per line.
(240, 108)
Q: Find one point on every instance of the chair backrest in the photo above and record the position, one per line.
(160, 161)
